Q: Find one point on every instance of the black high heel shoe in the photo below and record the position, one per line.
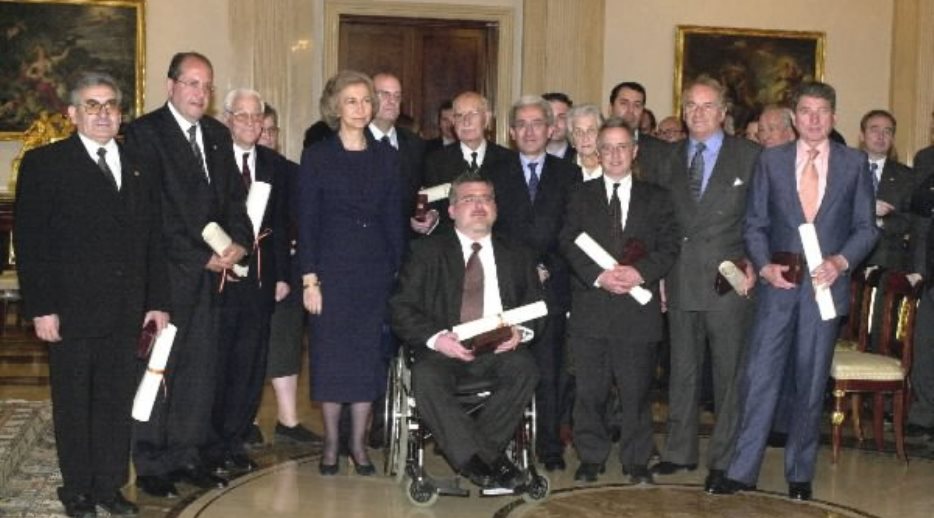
(364, 469)
(328, 470)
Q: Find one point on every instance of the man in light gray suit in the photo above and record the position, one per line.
(811, 180)
(708, 175)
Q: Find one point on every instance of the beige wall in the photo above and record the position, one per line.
(640, 45)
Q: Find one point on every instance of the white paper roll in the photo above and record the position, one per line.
(149, 387)
(606, 261)
(218, 240)
(512, 317)
(814, 258)
(438, 192)
(734, 276)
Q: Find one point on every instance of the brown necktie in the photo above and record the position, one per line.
(808, 187)
(472, 298)
(247, 177)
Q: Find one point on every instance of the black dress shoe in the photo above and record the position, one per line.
(199, 477)
(800, 491)
(79, 505)
(297, 434)
(254, 437)
(555, 464)
(777, 440)
(640, 474)
(117, 505)
(505, 473)
(588, 472)
(159, 487)
(670, 468)
(239, 462)
(328, 470)
(714, 478)
(478, 472)
(728, 486)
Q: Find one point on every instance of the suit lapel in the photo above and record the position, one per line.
(505, 274)
(637, 210)
(786, 181)
(835, 179)
(720, 177)
(178, 140)
(454, 268)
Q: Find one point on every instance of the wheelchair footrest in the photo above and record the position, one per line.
(450, 487)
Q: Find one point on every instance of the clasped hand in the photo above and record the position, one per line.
(619, 279)
(231, 256)
(449, 345)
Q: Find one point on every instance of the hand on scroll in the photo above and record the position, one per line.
(610, 281)
(772, 273)
(449, 345)
(510, 344)
(282, 290)
(232, 255)
(161, 318)
(829, 270)
(215, 264)
(47, 328)
(629, 276)
(425, 227)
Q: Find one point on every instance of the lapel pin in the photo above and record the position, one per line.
(135, 173)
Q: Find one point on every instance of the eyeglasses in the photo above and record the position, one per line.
(581, 133)
(536, 125)
(466, 118)
(485, 199)
(197, 85)
(389, 96)
(93, 107)
(246, 117)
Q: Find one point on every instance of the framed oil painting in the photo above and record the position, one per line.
(45, 43)
(757, 67)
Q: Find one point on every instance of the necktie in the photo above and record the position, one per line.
(387, 141)
(808, 187)
(196, 149)
(873, 167)
(247, 176)
(472, 297)
(102, 163)
(533, 181)
(697, 171)
(616, 220)
(473, 167)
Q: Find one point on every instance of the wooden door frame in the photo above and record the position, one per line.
(506, 79)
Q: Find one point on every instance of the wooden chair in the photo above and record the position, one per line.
(856, 371)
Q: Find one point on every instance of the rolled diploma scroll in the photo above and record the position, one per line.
(152, 379)
(438, 192)
(605, 260)
(218, 240)
(814, 258)
(734, 276)
(512, 317)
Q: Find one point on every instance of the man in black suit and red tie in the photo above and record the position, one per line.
(192, 156)
(247, 301)
(611, 335)
(455, 277)
(532, 193)
(92, 272)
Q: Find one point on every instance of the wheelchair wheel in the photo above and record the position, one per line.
(538, 489)
(421, 494)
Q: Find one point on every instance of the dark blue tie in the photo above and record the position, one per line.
(873, 167)
(533, 181)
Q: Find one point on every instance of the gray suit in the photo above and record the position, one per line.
(787, 322)
(711, 232)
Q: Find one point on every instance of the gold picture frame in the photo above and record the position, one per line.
(757, 67)
(48, 42)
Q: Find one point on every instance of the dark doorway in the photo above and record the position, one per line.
(435, 59)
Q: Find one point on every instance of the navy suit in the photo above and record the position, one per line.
(787, 322)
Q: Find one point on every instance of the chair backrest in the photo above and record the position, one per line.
(900, 308)
(862, 286)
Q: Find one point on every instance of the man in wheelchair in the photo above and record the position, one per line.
(460, 276)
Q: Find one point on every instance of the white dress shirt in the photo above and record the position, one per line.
(392, 134)
(112, 157)
(480, 151)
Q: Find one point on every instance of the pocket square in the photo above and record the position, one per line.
(737, 182)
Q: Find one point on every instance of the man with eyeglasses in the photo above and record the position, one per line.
(473, 152)
(532, 193)
(193, 157)
(456, 277)
(670, 129)
(611, 335)
(708, 175)
(247, 301)
(92, 272)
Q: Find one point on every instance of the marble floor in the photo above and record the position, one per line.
(863, 483)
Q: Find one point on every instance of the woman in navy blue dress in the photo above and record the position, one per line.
(350, 246)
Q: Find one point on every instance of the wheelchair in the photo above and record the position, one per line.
(406, 436)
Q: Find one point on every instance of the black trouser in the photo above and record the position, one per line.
(549, 354)
(93, 383)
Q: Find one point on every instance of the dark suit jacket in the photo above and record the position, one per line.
(85, 251)
(712, 229)
(845, 223)
(594, 311)
(448, 163)
(923, 164)
(570, 155)
(537, 225)
(432, 145)
(896, 187)
(430, 288)
(411, 158)
(189, 202)
(272, 168)
(652, 152)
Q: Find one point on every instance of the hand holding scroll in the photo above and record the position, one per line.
(449, 345)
